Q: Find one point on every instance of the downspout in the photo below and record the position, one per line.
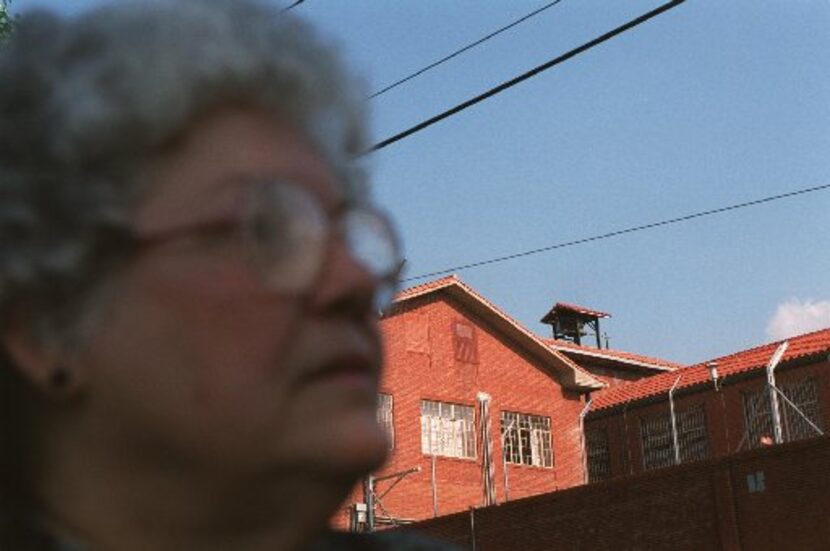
(773, 395)
(674, 420)
(487, 467)
(582, 415)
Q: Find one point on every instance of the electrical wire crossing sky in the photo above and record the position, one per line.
(708, 106)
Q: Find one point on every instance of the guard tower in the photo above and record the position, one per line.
(570, 322)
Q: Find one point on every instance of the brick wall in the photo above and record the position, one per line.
(422, 363)
(724, 410)
(770, 498)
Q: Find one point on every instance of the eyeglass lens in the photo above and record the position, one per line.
(288, 231)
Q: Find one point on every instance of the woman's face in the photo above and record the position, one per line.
(199, 363)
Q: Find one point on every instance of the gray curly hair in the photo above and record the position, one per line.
(85, 100)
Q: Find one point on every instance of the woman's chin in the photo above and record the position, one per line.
(352, 447)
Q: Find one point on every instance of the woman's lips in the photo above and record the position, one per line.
(350, 370)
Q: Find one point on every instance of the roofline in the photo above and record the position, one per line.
(580, 379)
(701, 386)
(592, 354)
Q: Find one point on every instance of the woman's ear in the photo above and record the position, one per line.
(44, 367)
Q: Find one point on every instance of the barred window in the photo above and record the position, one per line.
(599, 457)
(658, 448)
(692, 438)
(448, 429)
(758, 413)
(526, 439)
(385, 418)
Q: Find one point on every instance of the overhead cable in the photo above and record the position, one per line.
(617, 233)
(294, 5)
(533, 72)
(464, 49)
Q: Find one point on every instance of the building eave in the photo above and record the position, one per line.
(568, 373)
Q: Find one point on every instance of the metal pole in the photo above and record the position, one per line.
(504, 460)
(674, 421)
(369, 498)
(584, 443)
(473, 528)
(773, 396)
(432, 460)
(798, 411)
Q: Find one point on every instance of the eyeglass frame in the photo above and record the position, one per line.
(239, 222)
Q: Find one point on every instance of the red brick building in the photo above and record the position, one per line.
(612, 367)
(479, 409)
(720, 407)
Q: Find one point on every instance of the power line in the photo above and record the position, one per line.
(294, 5)
(622, 232)
(464, 49)
(533, 72)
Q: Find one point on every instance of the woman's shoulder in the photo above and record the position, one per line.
(380, 541)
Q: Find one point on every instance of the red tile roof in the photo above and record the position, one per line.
(614, 355)
(816, 343)
(565, 307)
(579, 310)
(578, 378)
(427, 287)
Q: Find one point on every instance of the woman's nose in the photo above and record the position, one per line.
(346, 286)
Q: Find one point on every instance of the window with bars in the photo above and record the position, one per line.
(385, 418)
(758, 413)
(599, 457)
(658, 443)
(526, 439)
(448, 429)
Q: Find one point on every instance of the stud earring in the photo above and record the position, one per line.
(59, 378)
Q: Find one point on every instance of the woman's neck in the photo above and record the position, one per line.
(114, 504)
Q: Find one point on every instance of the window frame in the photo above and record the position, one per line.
(448, 429)
(692, 437)
(529, 441)
(597, 455)
(804, 393)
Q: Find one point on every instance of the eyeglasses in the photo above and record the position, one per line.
(286, 233)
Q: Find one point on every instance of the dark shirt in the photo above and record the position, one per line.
(379, 541)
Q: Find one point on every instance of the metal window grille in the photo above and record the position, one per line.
(527, 439)
(658, 447)
(692, 438)
(658, 443)
(758, 417)
(599, 457)
(758, 413)
(803, 394)
(448, 429)
(385, 418)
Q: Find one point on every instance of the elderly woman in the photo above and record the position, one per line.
(189, 278)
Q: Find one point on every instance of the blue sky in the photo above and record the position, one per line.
(710, 104)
